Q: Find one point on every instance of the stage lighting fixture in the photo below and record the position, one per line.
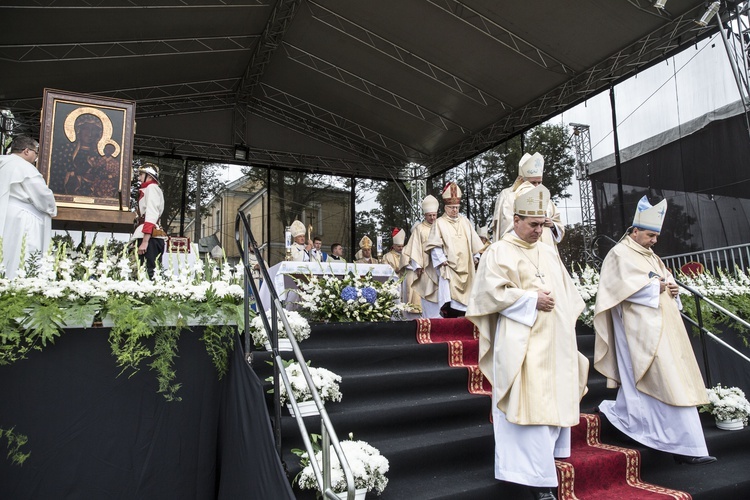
(709, 14)
(241, 152)
(659, 4)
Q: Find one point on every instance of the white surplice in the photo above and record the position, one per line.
(525, 454)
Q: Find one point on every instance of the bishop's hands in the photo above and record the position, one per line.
(544, 301)
(673, 288)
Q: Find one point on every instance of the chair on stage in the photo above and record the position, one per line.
(692, 269)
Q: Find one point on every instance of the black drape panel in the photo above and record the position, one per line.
(94, 434)
(706, 178)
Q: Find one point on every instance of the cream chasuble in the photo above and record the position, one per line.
(540, 377)
(459, 242)
(393, 259)
(426, 285)
(663, 362)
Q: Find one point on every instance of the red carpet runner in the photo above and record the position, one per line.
(594, 469)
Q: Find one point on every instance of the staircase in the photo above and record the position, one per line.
(404, 399)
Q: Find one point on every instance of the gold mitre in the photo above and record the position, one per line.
(365, 242)
(648, 216)
(531, 201)
(452, 194)
(532, 167)
(297, 229)
(430, 204)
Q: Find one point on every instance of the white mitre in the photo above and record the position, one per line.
(399, 236)
(532, 167)
(297, 229)
(531, 201)
(526, 157)
(482, 232)
(430, 204)
(648, 216)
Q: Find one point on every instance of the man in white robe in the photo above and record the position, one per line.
(454, 247)
(300, 247)
(531, 171)
(424, 281)
(525, 306)
(27, 206)
(642, 346)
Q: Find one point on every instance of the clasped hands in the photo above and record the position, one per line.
(544, 301)
(674, 290)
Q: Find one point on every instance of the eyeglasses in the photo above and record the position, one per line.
(36, 151)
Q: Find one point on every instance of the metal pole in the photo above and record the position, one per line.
(618, 167)
(184, 196)
(353, 217)
(699, 315)
(269, 212)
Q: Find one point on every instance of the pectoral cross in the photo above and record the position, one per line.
(539, 274)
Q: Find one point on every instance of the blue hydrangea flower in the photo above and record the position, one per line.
(370, 294)
(349, 293)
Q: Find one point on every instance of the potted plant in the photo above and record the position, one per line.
(326, 383)
(729, 406)
(365, 461)
(300, 330)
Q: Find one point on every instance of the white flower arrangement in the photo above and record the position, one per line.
(50, 291)
(586, 281)
(349, 298)
(367, 464)
(727, 403)
(326, 383)
(300, 327)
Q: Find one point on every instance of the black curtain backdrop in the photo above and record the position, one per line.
(96, 433)
(705, 177)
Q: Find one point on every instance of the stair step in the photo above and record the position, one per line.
(404, 399)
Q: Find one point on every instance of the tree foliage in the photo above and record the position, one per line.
(482, 178)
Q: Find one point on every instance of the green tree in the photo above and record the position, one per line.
(482, 178)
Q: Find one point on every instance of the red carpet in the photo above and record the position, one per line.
(594, 469)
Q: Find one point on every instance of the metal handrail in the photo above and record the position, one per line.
(697, 296)
(328, 433)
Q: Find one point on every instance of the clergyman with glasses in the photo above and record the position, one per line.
(27, 206)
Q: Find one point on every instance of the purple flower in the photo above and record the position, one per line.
(349, 293)
(370, 294)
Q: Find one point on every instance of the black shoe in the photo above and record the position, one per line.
(542, 493)
(682, 459)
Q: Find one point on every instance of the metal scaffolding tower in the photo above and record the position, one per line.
(582, 145)
(417, 175)
(735, 34)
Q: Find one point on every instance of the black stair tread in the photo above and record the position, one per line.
(404, 399)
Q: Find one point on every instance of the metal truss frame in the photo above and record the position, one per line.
(525, 49)
(122, 49)
(581, 139)
(650, 49)
(277, 25)
(402, 55)
(256, 156)
(371, 89)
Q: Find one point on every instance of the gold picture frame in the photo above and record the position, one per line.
(86, 153)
